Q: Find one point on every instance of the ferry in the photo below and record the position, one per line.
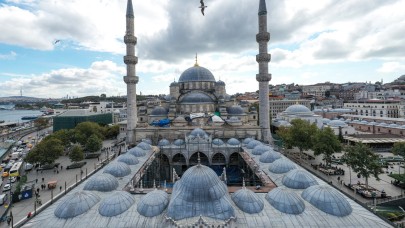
(29, 117)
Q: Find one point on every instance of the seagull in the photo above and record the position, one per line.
(56, 41)
(202, 7)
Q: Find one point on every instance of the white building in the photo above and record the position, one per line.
(380, 108)
(279, 106)
(298, 112)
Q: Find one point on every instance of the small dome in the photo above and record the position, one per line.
(325, 121)
(394, 125)
(328, 200)
(297, 109)
(174, 84)
(220, 83)
(247, 140)
(269, 157)
(117, 203)
(285, 201)
(148, 141)
(197, 73)
(299, 179)
(117, 169)
(196, 97)
(200, 192)
(178, 142)
(281, 166)
(180, 119)
(260, 149)
(233, 142)
(153, 203)
(144, 146)
(233, 119)
(128, 159)
(198, 132)
(248, 201)
(76, 204)
(355, 121)
(235, 110)
(137, 152)
(164, 142)
(159, 111)
(372, 123)
(383, 125)
(218, 142)
(337, 123)
(364, 122)
(252, 144)
(103, 182)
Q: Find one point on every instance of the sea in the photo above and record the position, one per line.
(16, 115)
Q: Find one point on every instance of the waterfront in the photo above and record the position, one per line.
(16, 115)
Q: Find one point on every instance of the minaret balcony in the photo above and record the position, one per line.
(262, 36)
(263, 57)
(131, 79)
(263, 77)
(130, 59)
(130, 39)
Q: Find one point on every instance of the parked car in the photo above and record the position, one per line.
(6, 187)
(13, 179)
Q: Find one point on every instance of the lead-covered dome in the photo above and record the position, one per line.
(197, 73)
(248, 201)
(137, 152)
(159, 111)
(297, 109)
(247, 140)
(328, 200)
(200, 192)
(260, 149)
(299, 179)
(220, 83)
(198, 132)
(252, 144)
(117, 203)
(179, 142)
(285, 201)
(233, 142)
(164, 142)
(117, 169)
(128, 159)
(196, 97)
(269, 157)
(217, 142)
(76, 204)
(153, 203)
(337, 123)
(281, 166)
(144, 146)
(104, 182)
(235, 110)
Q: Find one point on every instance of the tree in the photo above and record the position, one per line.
(90, 128)
(325, 142)
(111, 131)
(65, 136)
(299, 135)
(340, 137)
(399, 149)
(363, 161)
(76, 154)
(41, 123)
(94, 144)
(46, 152)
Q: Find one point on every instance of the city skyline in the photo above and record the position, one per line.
(53, 48)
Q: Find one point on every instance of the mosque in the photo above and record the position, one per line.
(195, 188)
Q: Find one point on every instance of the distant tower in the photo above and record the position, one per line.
(131, 79)
(263, 77)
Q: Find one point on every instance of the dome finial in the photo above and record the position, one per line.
(243, 183)
(154, 184)
(199, 159)
(196, 60)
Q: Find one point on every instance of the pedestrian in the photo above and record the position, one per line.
(38, 189)
(8, 220)
(61, 167)
(36, 180)
(57, 171)
(60, 188)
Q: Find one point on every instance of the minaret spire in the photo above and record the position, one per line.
(130, 79)
(263, 77)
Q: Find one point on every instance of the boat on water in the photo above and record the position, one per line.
(1, 121)
(29, 117)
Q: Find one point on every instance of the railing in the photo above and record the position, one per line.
(385, 200)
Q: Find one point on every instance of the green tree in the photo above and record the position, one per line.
(46, 152)
(326, 143)
(363, 161)
(94, 144)
(111, 131)
(76, 154)
(41, 123)
(299, 135)
(65, 136)
(340, 137)
(399, 149)
(88, 129)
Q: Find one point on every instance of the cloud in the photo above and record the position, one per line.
(100, 77)
(392, 67)
(11, 56)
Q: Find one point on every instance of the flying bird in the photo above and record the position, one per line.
(202, 7)
(56, 41)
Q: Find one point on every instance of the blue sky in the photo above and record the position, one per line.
(336, 41)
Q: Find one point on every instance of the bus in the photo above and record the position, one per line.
(16, 169)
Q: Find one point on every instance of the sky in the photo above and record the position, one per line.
(311, 41)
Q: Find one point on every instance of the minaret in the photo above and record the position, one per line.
(131, 79)
(263, 77)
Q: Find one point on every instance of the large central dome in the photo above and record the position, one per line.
(197, 73)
